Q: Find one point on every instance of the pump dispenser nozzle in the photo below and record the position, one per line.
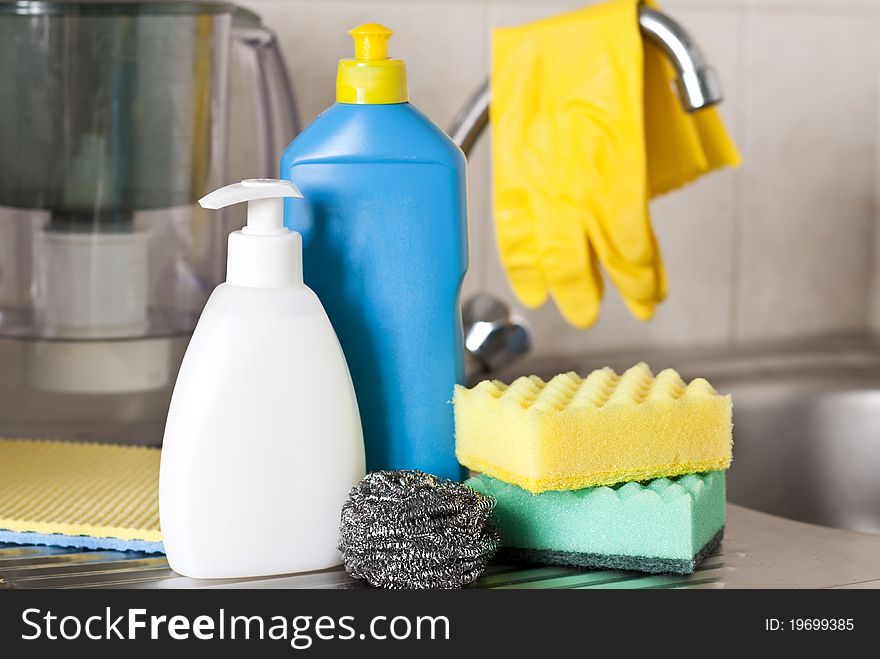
(263, 254)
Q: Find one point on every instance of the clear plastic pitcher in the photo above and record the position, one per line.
(114, 119)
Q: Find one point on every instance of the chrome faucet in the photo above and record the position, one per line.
(493, 338)
(697, 83)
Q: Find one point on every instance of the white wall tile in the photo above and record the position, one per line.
(444, 45)
(482, 246)
(873, 303)
(808, 202)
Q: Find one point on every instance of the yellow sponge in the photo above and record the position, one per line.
(574, 432)
(77, 489)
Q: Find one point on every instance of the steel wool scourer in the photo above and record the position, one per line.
(408, 529)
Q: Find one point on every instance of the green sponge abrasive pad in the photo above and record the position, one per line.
(660, 526)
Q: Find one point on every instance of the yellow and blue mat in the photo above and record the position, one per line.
(76, 494)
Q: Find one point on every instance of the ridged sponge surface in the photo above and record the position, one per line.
(661, 526)
(575, 432)
(79, 494)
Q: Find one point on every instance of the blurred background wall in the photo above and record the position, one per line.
(784, 247)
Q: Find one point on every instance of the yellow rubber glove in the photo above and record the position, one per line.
(575, 158)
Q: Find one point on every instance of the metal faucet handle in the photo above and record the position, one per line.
(493, 337)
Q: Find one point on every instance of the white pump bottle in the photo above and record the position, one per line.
(263, 439)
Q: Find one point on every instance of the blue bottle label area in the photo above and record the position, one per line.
(385, 250)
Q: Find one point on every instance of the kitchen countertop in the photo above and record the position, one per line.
(758, 551)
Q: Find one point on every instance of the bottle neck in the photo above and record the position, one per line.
(264, 216)
(371, 82)
(264, 259)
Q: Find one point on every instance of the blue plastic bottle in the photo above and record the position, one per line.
(385, 248)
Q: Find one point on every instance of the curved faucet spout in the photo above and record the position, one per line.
(697, 83)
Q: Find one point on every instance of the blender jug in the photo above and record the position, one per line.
(114, 120)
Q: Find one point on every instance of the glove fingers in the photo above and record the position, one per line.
(628, 250)
(518, 247)
(597, 284)
(644, 309)
(571, 269)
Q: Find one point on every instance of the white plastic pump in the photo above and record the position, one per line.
(263, 253)
(263, 440)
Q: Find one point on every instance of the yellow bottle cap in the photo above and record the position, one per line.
(371, 77)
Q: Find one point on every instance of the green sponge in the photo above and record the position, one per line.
(660, 526)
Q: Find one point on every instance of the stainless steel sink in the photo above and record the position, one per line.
(809, 455)
(806, 424)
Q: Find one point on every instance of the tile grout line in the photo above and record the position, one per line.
(741, 192)
(486, 236)
(871, 310)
